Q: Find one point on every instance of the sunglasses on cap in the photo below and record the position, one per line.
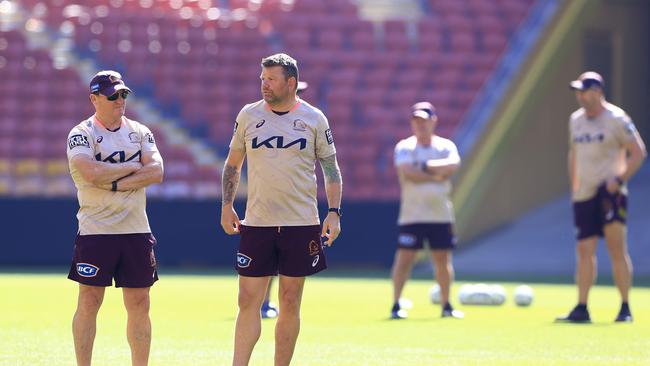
(123, 93)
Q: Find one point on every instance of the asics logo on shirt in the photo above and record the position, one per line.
(277, 142)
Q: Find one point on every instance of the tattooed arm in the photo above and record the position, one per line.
(229, 184)
(333, 189)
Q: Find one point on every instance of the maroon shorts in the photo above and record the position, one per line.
(591, 216)
(438, 235)
(294, 251)
(129, 258)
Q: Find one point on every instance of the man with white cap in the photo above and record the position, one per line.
(425, 163)
(605, 151)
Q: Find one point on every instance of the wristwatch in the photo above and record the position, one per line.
(337, 210)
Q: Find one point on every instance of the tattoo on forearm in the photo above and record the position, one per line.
(229, 183)
(331, 169)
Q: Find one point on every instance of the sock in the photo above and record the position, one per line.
(395, 307)
(625, 307)
(582, 307)
(447, 307)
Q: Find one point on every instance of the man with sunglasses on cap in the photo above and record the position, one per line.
(425, 163)
(112, 159)
(605, 151)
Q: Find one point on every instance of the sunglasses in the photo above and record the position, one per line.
(123, 93)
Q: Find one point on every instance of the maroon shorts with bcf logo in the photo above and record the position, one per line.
(294, 251)
(129, 258)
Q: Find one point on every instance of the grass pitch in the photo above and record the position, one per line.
(344, 322)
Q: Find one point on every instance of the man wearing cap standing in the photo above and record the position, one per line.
(425, 163)
(112, 159)
(605, 151)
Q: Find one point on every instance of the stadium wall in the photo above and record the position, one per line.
(520, 162)
(39, 232)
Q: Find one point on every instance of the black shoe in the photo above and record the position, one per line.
(624, 316)
(453, 314)
(577, 315)
(398, 313)
(449, 312)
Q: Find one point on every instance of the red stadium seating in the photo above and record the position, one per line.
(202, 69)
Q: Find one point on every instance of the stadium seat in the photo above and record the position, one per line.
(202, 71)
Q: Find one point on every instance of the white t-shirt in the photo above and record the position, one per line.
(281, 151)
(598, 146)
(425, 202)
(103, 211)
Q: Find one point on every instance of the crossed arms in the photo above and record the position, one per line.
(434, 170)
(130, 175)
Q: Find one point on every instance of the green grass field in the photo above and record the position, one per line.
(344, 322)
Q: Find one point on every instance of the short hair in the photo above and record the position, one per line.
(289, 64)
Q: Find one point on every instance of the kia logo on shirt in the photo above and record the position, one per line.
(279, 143)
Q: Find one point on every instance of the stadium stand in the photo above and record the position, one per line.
(197, 62)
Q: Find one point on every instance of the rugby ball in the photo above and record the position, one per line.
(523, 295)
(405, 303)
(482, 294)
(476, 294)
(497, 294)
